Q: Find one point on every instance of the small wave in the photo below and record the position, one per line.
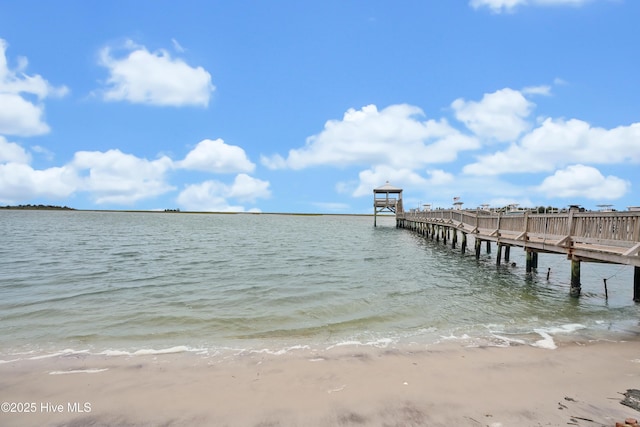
(79, 371)
(547, 340)
(151, 351)
(380, 343)
(280, 352)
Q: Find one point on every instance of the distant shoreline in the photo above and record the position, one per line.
(65, 208)
(38, 208)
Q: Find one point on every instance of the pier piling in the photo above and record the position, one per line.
(575, 278)
(604, 237)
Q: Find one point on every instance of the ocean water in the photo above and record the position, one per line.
(137, 283)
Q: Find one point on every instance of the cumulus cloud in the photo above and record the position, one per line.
(217, 157)
(19, 181)
(10, 152)
(213, 195)
(557, 143)
(19, 115)
(583, 181)
(116, 177)
(394, 136)
(498, 6)
(394, 143)
(499, 116)
(247, 188)
(154, 78)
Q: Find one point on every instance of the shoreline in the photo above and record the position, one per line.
(444, 384)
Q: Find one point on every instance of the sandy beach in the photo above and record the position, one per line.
(440, 385)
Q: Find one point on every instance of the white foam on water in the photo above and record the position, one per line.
(507, 341)
(280, 352)
(380, 343)
(66, 352)
(455, 338)
(79, 371)
(547, 340)
(154, 352)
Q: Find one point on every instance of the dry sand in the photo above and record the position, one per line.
(442, 385)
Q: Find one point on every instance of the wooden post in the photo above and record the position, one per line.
(437, 233)
(636, 284)
(445, 233)
(464, 242)
(454, 239)
(499, 254)
(488, 246)
(529, 257)
(507, 252)
(534, 260)
(375, 214)
(574, 291)
(478, 246)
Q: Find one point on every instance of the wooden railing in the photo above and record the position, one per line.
(618, 231)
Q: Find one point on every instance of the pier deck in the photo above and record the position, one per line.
(612, 237)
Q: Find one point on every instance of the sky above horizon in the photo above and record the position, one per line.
(290, 106)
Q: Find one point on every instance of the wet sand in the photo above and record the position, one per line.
(440, 385)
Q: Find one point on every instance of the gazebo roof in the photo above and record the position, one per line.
(387, 188)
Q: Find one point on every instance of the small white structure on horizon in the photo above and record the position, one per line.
(605, 208)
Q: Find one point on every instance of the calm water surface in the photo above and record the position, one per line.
(124, 282)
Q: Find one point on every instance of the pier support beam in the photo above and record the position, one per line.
(507, 252)
(478, 246)
(529, 261)
(488, 246)
(464, 242)
(574, 291)
(454, 239)
(499, 254)
(636, 284)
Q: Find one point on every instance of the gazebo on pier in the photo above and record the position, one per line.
(382, 202)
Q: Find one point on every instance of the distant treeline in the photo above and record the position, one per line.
(38, 207)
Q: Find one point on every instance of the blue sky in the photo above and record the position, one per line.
(306, 106)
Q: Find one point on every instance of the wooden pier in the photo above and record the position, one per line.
(607, 237)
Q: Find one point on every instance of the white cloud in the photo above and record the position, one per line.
(246, 188)
(10, 152)
(217, 157)
(20, 182)
(557, 143)
(154, 78)
(18, 115)
(583, 181)
(499, 115)
(393, 136)
(177, 46)
(119, 178)
(498, 6)
(212, 195)
(206, 197)
(544, 90)
(403, 178)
